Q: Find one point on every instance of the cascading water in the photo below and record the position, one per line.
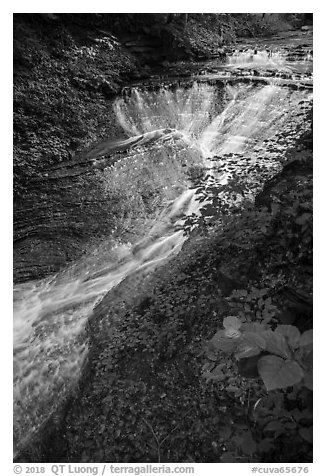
(257, 58)
(272, 59)
(50, 315)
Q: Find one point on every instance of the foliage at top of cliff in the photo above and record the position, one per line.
(63, 76)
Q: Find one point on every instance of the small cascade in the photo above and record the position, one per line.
(259, 58)
(268, 60)
(50, 343)
(186, 110)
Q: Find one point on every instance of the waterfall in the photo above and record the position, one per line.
(50, 343)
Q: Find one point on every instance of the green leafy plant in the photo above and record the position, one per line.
(283, 356)
(276, 413)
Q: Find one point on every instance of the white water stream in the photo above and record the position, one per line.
(50, 315)
(272, 59)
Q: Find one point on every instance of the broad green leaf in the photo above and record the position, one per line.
(248, 444)
(291, 333)
(232, 333)
(276, 344)
(244, 351)
(254, 339)
(255, 327)
(267, 320)
(217, 335)
(223, 343)
(279, 373)
(233, 322)
(306, 338)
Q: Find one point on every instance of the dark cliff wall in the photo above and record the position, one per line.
(64, 77)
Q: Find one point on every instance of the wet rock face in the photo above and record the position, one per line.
(64, 73)
(53, 225)
(104, 192)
